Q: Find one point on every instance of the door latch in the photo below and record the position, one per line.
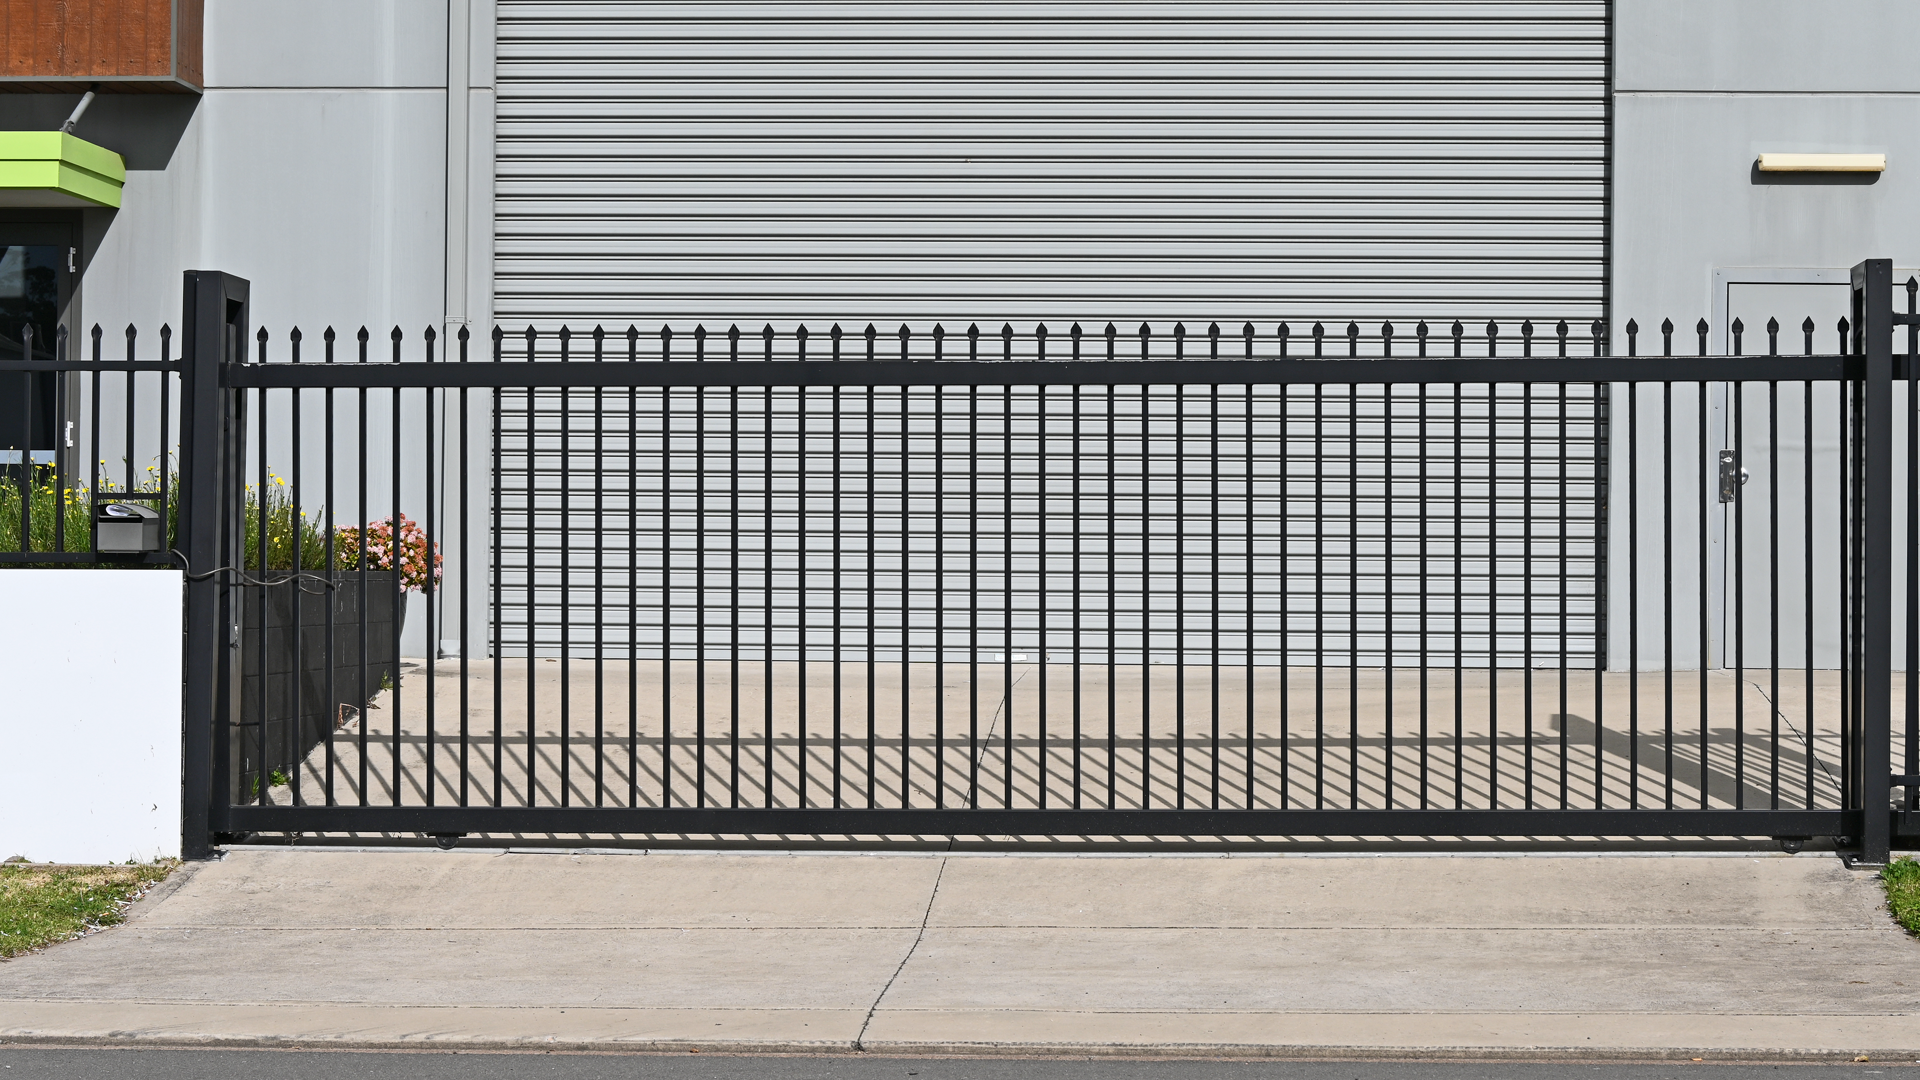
(1731, 475)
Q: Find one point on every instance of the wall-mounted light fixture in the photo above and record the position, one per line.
(1854, 163)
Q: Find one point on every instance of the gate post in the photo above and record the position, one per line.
(214, 331)
(1873, 728)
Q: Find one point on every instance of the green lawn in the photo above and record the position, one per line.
(40, 905)
(1902, 878)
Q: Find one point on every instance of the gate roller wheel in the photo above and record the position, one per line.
(1791, 844)
(446, 841)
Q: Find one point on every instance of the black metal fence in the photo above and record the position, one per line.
(1088, 584)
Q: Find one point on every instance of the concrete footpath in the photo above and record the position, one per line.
(1542, 956)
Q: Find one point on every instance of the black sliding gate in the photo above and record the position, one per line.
(1251, 582)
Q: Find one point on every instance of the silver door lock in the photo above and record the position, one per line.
(1731, 475)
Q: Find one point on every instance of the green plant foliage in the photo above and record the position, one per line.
(57, 520)
(1902, 879)
(40, 905)
(61, 520)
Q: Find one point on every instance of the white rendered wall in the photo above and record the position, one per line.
(91, 663)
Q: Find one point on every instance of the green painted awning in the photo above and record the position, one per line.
(52, 168)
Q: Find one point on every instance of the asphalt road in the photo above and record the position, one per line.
(30, 1063)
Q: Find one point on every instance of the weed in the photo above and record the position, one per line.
(1902, 879)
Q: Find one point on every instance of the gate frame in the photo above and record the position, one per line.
(213, 432)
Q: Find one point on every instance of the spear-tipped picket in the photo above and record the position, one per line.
(1633, 337)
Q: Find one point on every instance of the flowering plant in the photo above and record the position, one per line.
(415, 553)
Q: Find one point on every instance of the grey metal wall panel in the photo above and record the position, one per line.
(948, 164)
(960, 161)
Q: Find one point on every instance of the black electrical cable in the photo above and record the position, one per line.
(241, 578)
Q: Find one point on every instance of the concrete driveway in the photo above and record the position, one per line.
(1748, 956)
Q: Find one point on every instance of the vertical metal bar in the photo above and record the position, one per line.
(734, 614)
(1078, 582)
(127, 438)
(1353, 586)
(429, 570)
(633, 575)
(1526, 577)
(1246, 557)
(93, 442)
(1179, 580)
(1386, 481)
(973, 597)
(329, 564)
(297, 526)
(939, 588)
(1912, 598)
(465, 336)
(1565, 525)
(1806, 570)
(1006, 584)
(599, 577)
(1146, 595)
(1285, 395)
(1873, 321)
(1738, 392)
(1666, 600)
(1213, 605)
(533, 574)
(1457, 395)
(904, 494)
(1113, 590)
(802, 528)
(1319, 590)
(1773, 593)
(1425, 527)
(839, 470)
(872, 619)
(1493, 587)
(1043, 404)
(767, 510)
(1701, 469)
(396, 557)
(62, 498)
(1633, 596)
(262, 779)
(496, 496)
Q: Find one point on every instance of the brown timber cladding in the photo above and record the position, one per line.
(148, 46)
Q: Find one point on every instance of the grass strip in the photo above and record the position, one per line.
(1902, 879)
(41, 905)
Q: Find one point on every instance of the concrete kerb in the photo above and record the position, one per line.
(981, 1050)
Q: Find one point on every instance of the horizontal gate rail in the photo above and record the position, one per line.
(1360, 371)
(802, 821)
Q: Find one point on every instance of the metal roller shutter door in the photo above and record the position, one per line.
(1150, 162)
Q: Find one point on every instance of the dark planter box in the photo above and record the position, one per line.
(298, 710)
